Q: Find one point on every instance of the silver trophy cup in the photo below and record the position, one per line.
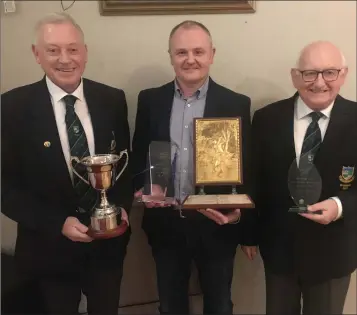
(103, 174)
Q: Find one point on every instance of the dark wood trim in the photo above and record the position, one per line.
(218, 206)
(168, 7)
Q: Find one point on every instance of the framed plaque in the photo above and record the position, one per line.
(217, 151)
(168, 7)
(217, 147)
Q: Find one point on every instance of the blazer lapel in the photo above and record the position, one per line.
(212, 102)
(101, 132)
(335, 132)
(45, 130)
(286, 132)
(163, 112)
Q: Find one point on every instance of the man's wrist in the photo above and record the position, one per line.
(236, 221)
(339, 207)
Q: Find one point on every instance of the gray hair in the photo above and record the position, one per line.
(56, 18)
(343, 59)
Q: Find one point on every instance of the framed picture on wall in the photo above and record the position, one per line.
(166, 7)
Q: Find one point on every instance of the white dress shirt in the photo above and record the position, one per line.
(82, 112)
(301, 123)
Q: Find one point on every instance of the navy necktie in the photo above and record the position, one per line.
(78, 147)
(312, 141)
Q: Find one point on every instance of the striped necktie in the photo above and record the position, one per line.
(311, 142)
(78, 147)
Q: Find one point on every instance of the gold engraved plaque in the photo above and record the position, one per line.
(217, 147)
(217, 150)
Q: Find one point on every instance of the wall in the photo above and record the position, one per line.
(254, 55)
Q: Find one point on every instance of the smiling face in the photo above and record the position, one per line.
(319, 90)
(191, 54)
(62, 54)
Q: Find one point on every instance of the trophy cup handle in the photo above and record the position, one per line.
(126, 162)
(75, 158)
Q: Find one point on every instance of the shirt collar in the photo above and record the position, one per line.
(57, 93)
(302, 110)
(200, 93)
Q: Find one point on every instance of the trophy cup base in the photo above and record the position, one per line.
(105, 223)
(106, 234)
(303, 210)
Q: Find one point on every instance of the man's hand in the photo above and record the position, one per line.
(219, 217)
(157, 193)
(249, 251)
(329, 210)
(124, 216)
(75, 230)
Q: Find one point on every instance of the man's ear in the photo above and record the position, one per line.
(213, 54)
(35, 53)
(294, 77)
(345, 72)
(86, 57)
(171, 59)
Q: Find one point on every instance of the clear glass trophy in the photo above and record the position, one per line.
(159, 186)
(305, 185)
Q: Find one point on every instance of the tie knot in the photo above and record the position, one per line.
(315, 116)
(70, 100)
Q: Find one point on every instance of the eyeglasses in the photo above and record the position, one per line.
(328, 75)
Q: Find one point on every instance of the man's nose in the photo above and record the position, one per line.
(190, 57)
(320, 81)
(64, 57)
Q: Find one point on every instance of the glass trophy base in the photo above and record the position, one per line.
(226, 201)
(157, 199)
(303, 210)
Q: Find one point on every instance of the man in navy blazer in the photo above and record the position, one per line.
(207, 237)
(53, 248)
(308, 255)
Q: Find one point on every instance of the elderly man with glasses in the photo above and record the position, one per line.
(306, 188)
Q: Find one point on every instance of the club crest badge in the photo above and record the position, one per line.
(76, 129)
(113, 144)
(347, 176)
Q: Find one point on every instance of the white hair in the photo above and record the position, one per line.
(343, 59)
(344, 62)
(56, 18)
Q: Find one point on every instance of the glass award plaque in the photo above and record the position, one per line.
(217, 150)
(158, 186)
(305, 185)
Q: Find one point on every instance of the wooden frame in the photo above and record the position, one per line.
(167, 7)
(221, 202)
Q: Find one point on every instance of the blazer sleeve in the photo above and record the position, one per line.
(256, 166)
(122, 192)
(349, 203)
(248, 223)
(17, 200)
(348, 197)
(141, 141)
